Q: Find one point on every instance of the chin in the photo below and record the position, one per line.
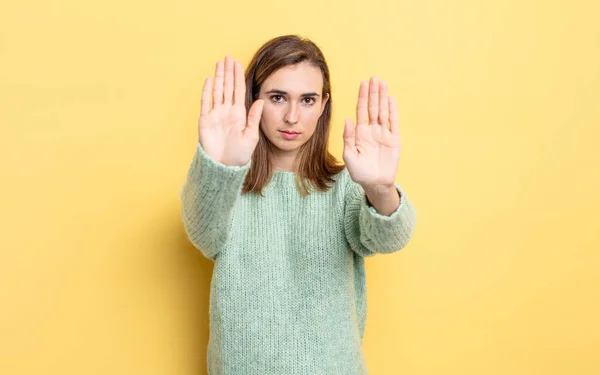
(288, 145)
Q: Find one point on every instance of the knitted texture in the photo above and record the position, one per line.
(288, 290)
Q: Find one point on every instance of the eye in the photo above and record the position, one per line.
(309, 100)
(277, 98)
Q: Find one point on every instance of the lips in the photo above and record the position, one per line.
(289, 135)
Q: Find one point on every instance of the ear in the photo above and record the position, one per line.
(325, 99)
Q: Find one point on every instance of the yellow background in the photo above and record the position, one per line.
(500, 119)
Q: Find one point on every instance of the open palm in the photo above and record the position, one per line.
(224, 132)
(372, 148)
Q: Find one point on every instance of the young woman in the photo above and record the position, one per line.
(287, 227)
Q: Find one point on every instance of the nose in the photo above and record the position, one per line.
(291, 117)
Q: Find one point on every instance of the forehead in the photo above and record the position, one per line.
(295, 79)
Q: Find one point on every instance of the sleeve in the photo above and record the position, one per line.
(368, 232)
(207, 200)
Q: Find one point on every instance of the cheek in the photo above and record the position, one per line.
(311, 116)
(269, 117)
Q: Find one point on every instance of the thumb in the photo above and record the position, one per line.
(254, 114)
(350, 135)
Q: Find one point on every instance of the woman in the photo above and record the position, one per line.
(287, 227)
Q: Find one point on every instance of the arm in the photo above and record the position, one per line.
(207, 201)
(226, 140)
(385, 199)
(372, 153)
(368, 232)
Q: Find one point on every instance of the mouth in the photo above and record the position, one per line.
(289, 134)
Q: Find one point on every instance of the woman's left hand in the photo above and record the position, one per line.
(372, 148)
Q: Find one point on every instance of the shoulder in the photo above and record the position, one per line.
(345, 187)
(342, 178)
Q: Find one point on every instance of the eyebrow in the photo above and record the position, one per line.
(281, 92)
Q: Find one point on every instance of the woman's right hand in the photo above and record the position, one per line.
(224, 131)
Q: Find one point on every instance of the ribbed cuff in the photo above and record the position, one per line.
(212, 175)
(388, 232)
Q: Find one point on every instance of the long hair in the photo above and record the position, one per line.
(314, 166)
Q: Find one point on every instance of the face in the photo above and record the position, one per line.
(293, 105)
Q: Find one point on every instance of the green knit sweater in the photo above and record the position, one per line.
(288, 291)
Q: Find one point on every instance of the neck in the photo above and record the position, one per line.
(283, 162)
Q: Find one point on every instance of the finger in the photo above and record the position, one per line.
(254, 115)
(240, 84)
(205, 102)
(228, 87)
(350, 135)
(394, 122)
(384, 112)
(361, 105)
(373, 100)
(218, 85)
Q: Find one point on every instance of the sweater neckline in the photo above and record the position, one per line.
(283, 178)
